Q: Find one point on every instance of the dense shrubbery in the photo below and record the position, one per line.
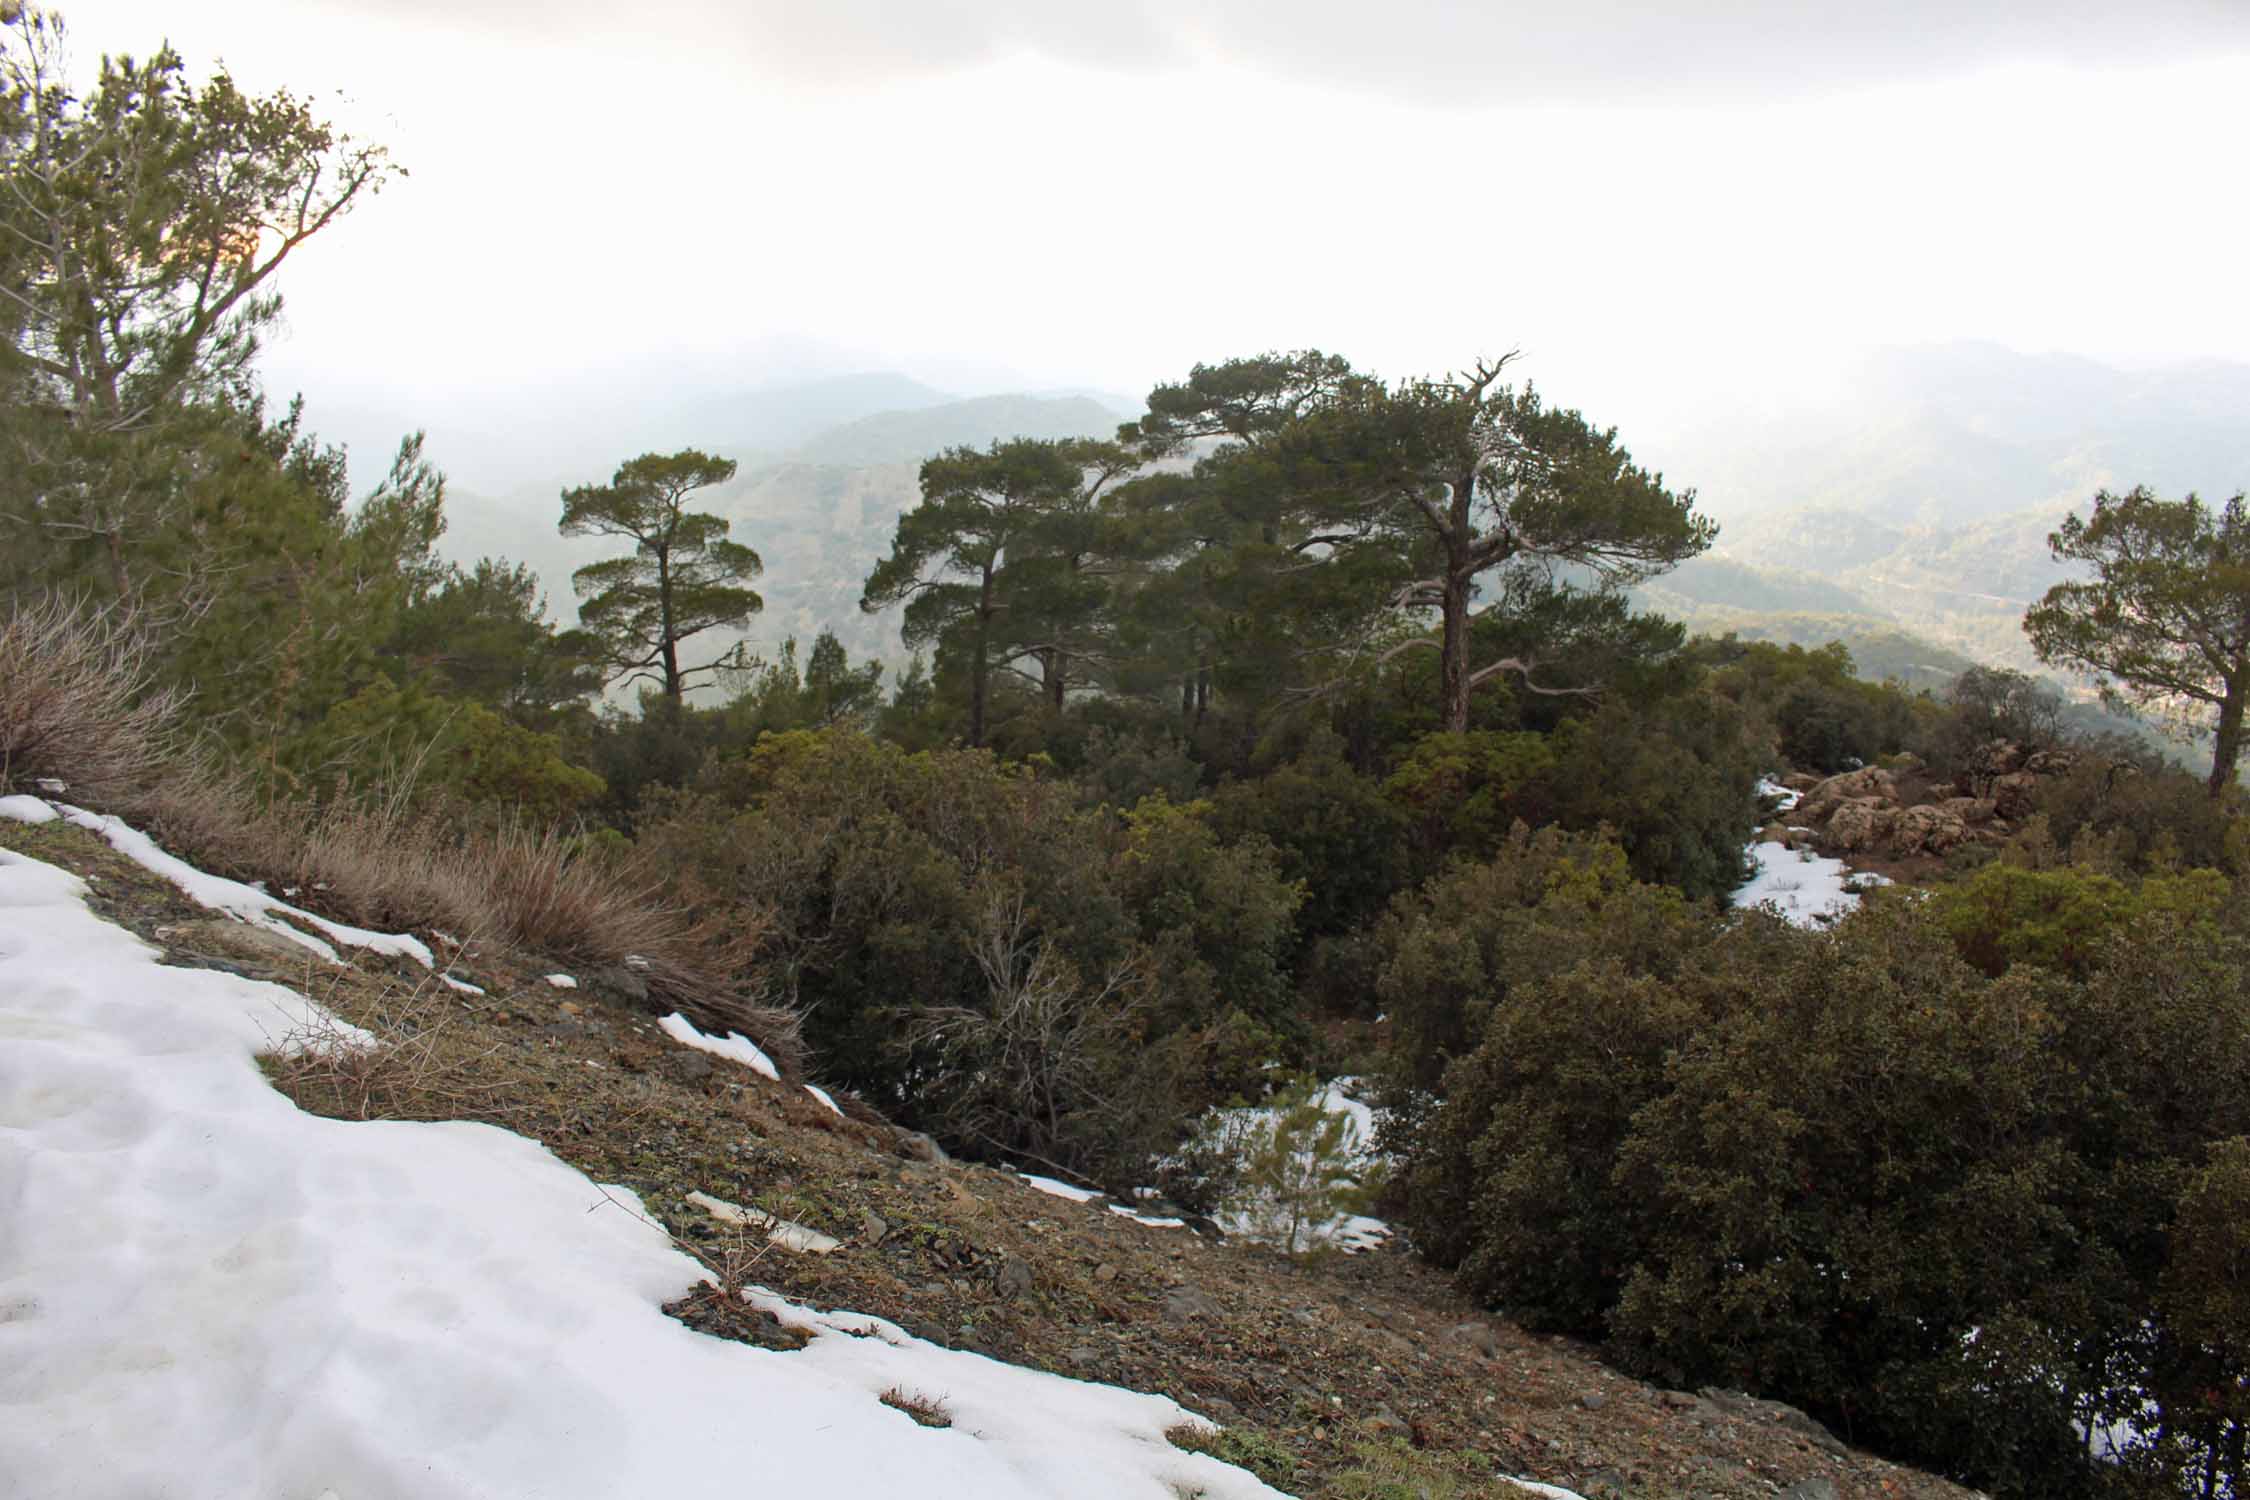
(1850, 1170)
(977, 953)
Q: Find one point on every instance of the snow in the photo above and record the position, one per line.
(562, 981)
(734, 1046)
(26, 810)
(1770, 790)
(245, 903)
(206, 1293)
(1058, 1189)
(1153, 1221)
(1254, 1216)
(1807, 889)
(1804, 888)
(822, 1095)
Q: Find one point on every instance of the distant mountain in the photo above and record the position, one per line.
(777, 420)
(1959, 432)
(909, 436)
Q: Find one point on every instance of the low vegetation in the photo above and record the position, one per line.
(1305, 727)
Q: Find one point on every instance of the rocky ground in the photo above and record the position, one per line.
(1306, 1361)
(1903, 821)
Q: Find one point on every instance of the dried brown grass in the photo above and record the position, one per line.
(78, 703)
(530, 889)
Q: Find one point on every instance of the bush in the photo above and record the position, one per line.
(2131, 811)
(2062, 918)
(78, 704)
(1849, 1170)
(1451, 954)
(978, 953)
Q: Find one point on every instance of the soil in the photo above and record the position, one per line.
(1313, 1356)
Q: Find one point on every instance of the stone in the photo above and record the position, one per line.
(1478, 1336)
(920, 1147)
(1859, 825)
(1927, 830)
(624, 981)
(1105, 1272)
(1593, 1401)
(1678, 1400)
(1851, 786)
(691, 1067)
(1014, 1278)
(872, 1228)
(1816, 1488)
(1184, 1302)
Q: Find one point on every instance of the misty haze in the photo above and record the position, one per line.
(1108, 748)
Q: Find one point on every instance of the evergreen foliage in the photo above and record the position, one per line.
(682, 578)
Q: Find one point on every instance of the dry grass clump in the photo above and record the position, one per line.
(78, 705)
(928, 1411)
(411, 1061)
(77, 702)
(528, 888)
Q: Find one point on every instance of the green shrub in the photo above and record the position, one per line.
(2062, 918)
(1448, 956)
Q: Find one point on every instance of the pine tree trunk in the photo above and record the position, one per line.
(1054, 678)
(1453, 660)
(2226, 750)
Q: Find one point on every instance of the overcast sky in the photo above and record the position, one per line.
(1668, 206)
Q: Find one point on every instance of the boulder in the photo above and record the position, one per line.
(1929, 829)
(1974, 811)
(1862, 824)
(1851, 786)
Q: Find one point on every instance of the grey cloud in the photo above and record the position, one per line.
(1444, 52)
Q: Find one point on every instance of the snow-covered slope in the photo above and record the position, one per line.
(205, 1292)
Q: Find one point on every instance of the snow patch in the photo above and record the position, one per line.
(210, 1289)
(24, 809)
(245, 903)
(1055, 1188)
(562, 981)
(734, 1045)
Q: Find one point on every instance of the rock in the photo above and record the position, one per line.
(1779, 1413)
(1014, 1279)
(1083, 1355)
(1811, 1489)
(1868, 781)
(872, 1228)
(1382, 1422)
(571, 1008)
(1974, 811)
(1478, 1336)
(1927, 830)
(1774, 833)
(1679, 1400)
(1864, 824)
(1105, 1272)
(1593, 1401)
(1184, 1302)
(919, 1147)
(624, 981)
(690, 1067)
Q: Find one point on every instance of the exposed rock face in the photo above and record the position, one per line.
(1851, 786)
(1883, 811)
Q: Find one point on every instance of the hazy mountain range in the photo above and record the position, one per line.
(1904, 508)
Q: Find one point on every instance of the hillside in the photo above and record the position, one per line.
(468, 1246)
(820, 514)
